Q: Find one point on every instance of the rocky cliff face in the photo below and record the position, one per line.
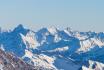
(10, 62)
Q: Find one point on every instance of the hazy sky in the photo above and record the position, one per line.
(83, 15)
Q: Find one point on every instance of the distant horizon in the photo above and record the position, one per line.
(33, 29)
(81, 15)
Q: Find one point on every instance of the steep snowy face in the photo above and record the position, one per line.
(52, 30)
(46, 44)
(91, 46)
(57, 39)
(93, 65)
(90, 40)
(87, 45)
(30, 40)
(83, 36)
(12, 41)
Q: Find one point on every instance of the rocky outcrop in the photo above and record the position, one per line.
(10, 62)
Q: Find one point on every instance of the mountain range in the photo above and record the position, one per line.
(53, 49)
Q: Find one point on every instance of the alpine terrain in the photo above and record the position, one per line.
(51, 49)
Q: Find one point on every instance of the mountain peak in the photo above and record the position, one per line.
(20, 26)
(69, 29)
(52, 30)
(20, 29)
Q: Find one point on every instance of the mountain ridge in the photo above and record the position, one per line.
(49, 47)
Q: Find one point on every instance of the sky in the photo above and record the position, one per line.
(81, 15)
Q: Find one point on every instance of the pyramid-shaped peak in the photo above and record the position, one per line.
(20, 29)
(20, 26)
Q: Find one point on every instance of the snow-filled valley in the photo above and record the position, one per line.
(54, 49)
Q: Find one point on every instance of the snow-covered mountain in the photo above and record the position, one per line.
(55, 49)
